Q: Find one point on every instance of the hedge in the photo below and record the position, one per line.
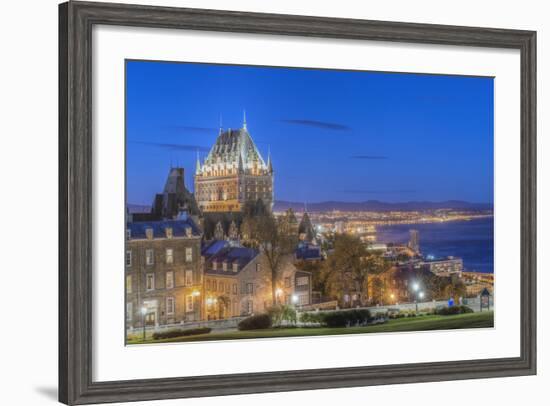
(344, 318)
(180, 333)
(447, 311)
(256, 322)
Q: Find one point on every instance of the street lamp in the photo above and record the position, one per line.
(143, 313)
(294, 299)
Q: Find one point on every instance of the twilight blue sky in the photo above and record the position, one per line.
(333, 135)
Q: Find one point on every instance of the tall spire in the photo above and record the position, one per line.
(244, 119)
(221, 123)
(198, 165)
(269, 164)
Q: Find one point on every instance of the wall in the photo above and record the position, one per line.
(28, 163)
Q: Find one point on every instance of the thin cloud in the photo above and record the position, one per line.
(174, 147)
(318, 124)
(192, 129)
(369, 191)
(371, 157)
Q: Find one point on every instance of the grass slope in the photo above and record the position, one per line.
(422, 323)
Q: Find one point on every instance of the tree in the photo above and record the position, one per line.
(275, 243)
(354, 264)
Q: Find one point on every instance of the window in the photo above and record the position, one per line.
(150, 281)
(303, 300)
(129, 310)
(129, 258)
(214, 285)
(249, 288)
(287, 282)
(149, 257)
(169, 280)
(258, 267)
(170, 305)
(302, 280)
(128, 234)
(128, 283)
(208, 284)
(227, 287)
(188, 278)
(189, 303)
(234, 288)
(189, 255)
(169, 256)
(249, 307)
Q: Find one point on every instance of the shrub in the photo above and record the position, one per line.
(346, 318)
(281, 313)
(447, 311)
(256, 322)
(180, 333)
(311, 318)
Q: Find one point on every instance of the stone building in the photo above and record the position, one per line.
(233, 173)
(163, 272)
(237, 281)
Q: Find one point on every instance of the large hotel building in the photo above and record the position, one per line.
(233, 173)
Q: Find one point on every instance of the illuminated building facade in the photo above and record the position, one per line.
(233, 173)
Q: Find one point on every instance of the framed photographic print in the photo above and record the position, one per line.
(259, 202)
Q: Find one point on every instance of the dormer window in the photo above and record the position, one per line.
(188, 231)
(128, 234)
(214, 265)
(169, 232)
(224, 265)
(149, 233)
(235, 266)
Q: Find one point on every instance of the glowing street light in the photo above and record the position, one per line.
(416, 286)
(421, 295)
(294, 299)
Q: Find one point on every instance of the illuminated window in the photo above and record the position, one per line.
(150, 281)
(189, 303)
(149, 257)
(128, 283)
(302, 280)
(188, 277)
(170, 305)
(169, 256)
(169, 280)
(189, 254)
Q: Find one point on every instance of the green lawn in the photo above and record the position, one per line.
(471, 320)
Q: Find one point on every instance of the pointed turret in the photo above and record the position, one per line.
(198, 165)
(306, 231)
(269, 164)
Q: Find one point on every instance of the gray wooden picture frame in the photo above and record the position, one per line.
(76, 20)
